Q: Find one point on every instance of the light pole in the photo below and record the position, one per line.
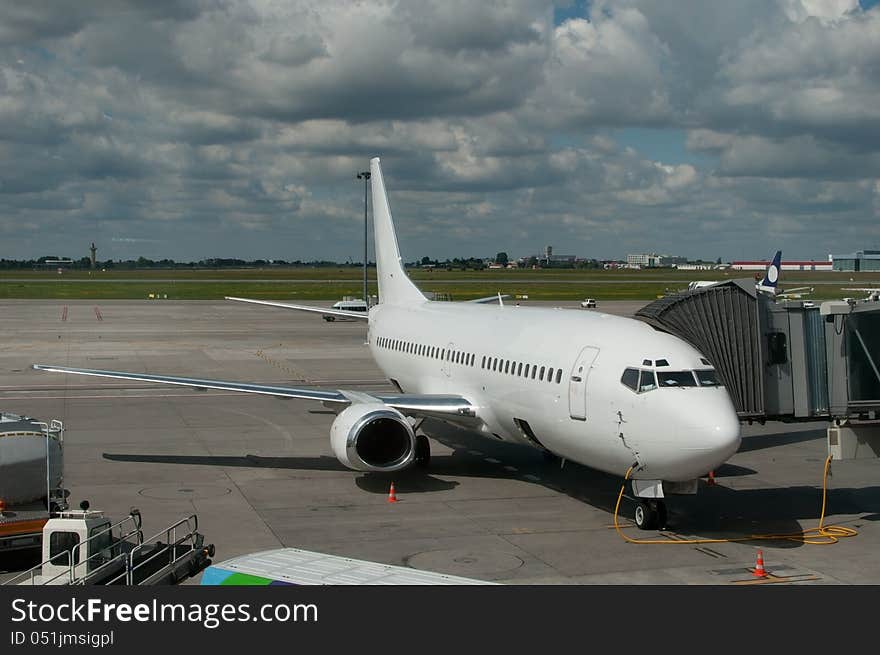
(365, 176)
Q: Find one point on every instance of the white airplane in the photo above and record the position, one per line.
(600, 390)
(873, 293)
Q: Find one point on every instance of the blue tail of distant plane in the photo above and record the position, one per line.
(771, 276)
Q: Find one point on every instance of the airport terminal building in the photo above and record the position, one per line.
(863, 260)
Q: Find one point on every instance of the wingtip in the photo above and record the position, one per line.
(375, 160)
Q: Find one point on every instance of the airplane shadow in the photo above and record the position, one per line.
(716, 512)
(763, 441)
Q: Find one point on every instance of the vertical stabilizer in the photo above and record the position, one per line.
(394, 285)
(771, 277)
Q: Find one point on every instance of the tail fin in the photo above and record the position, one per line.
(771, 277)
(394, 285)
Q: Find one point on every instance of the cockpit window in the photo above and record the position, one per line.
(630, 378)
(676, 379)
(647, 381)
(708, 378)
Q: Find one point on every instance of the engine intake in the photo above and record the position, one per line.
(373, 437)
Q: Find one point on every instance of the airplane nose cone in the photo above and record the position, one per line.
(709, 438)
(724, 435)
(715, 435)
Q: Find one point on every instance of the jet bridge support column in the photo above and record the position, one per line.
(847, 440)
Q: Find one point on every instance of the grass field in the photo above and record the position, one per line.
(307, 283)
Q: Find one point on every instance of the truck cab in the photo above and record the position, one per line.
(75, 542)
(83, 547)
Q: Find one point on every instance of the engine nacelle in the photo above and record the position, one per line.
(373, 437)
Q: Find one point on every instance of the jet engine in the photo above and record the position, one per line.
(373, 437)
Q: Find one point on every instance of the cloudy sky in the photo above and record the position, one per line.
(234, 128)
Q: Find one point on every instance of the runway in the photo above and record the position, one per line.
(260, 474)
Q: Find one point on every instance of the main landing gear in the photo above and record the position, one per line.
(650, 515)
(423, 452)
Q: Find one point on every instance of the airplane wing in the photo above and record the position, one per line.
(865, 289)
(326, 311)
(424, 405)
(496, 298)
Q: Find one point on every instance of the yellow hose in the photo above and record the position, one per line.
(821, 535)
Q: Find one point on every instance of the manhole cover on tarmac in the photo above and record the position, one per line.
(465, 562)
(178, 491)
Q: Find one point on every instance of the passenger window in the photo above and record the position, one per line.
(558, 376)
(630, 378)
(506, 365)
(483, 362)
(549, 375)
(534, 370)
(519, 369)
(647, 381)
(526, 372)
(541, 374)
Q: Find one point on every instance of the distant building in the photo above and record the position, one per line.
(790, 265)
(549, 260)
(649, 260)
(863, 260)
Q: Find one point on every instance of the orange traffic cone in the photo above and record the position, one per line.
(392, 497)
(710, 481)
(759, 571)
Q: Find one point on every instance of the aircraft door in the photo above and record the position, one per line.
(577, 384)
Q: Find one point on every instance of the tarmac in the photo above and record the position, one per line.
(259, 473)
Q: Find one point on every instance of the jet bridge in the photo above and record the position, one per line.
(786, 361)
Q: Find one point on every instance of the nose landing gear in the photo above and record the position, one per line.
(650, 515)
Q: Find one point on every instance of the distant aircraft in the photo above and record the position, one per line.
(771, 276)
(604, 391)
(768, 284)
(873, 294)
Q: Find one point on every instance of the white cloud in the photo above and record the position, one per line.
(237, 127)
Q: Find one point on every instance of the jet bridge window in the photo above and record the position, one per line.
(676, 379)
(777, 352)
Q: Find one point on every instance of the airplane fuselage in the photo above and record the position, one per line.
(552, 378)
